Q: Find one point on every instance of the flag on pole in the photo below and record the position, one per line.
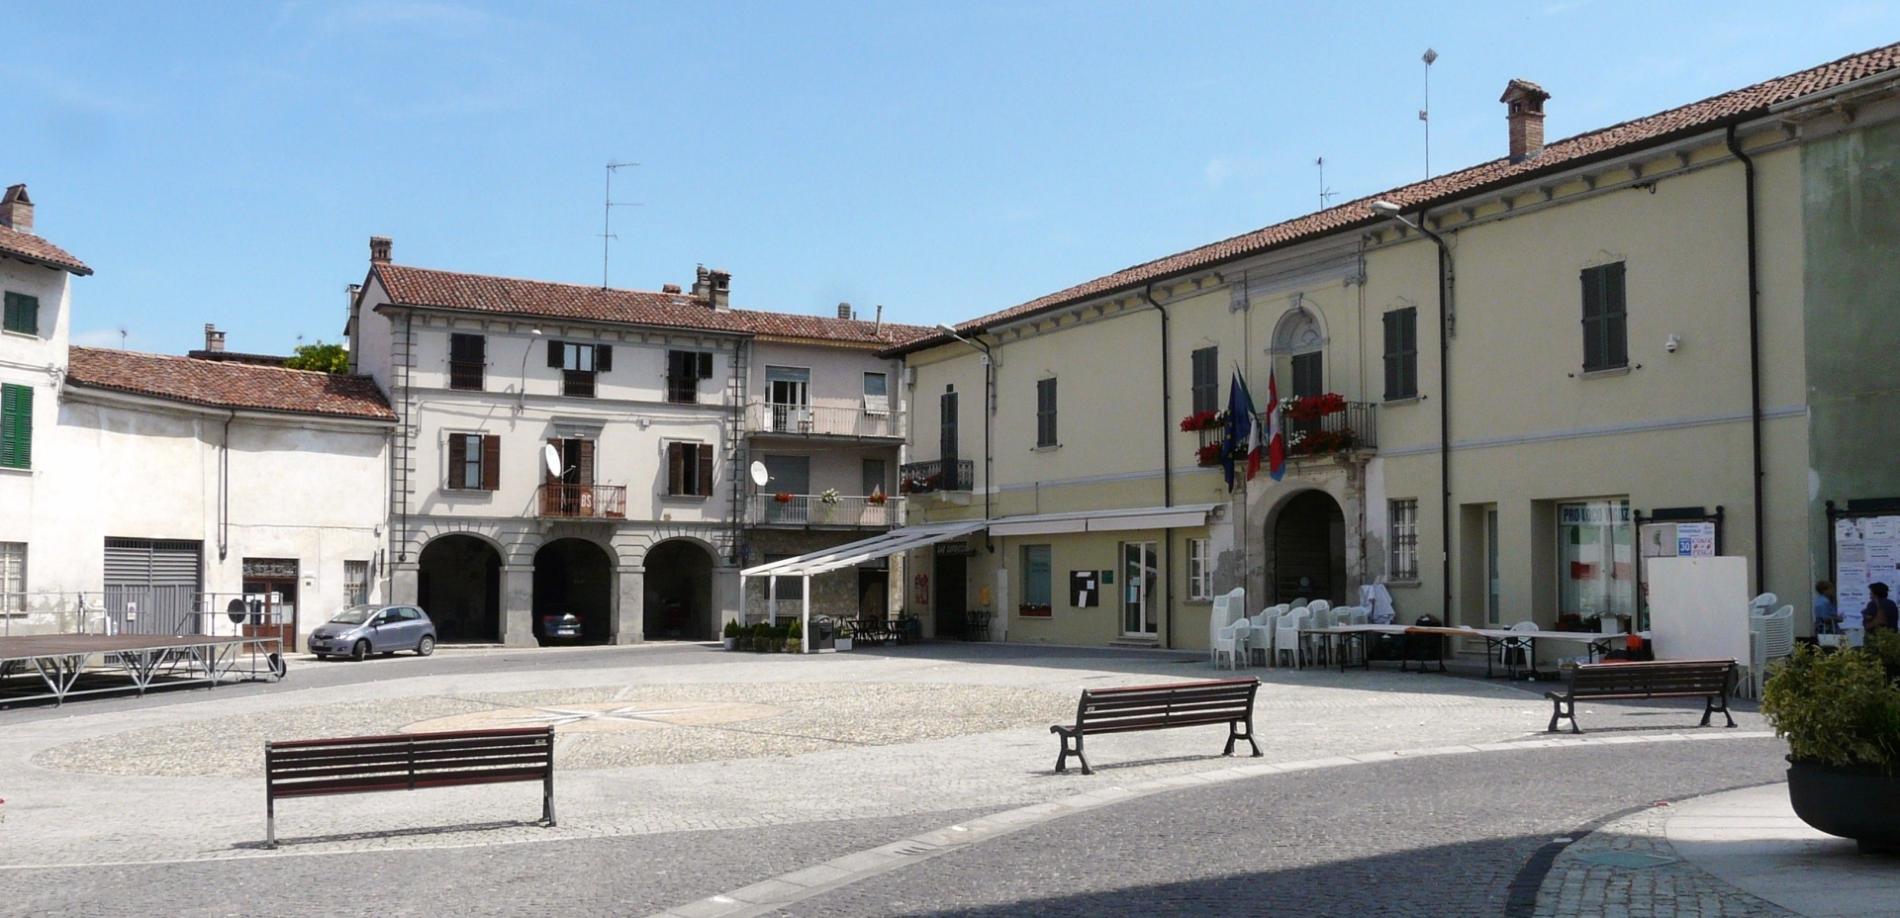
(1276, 438)
(1255, 449)
(1239, 426)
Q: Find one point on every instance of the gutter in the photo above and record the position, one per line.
(1167, 475)
(1754, 353)
(1445, 324)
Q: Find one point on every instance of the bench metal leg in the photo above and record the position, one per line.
(1559, 711)
(1234, 733)
(1709, 707)
(270, 821)
(1071, 746)
(547, 800)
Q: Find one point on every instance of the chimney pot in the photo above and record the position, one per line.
(214, 339)
(844, 311)
(669, 288)
(16, 209)
(721, 288)
(379, 249)
(1524, 112)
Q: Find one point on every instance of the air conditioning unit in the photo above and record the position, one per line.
(910, 377)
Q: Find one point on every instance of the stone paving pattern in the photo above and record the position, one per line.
(1580, 887)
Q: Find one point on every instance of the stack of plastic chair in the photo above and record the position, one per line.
(1286, 637)
(1770, 638)
(1322, 618)
(1232, 641)
(1260, 635)
(1218, 618)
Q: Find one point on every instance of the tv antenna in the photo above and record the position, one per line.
(607, 217)
(123, 332)
(1326, 194)
(1425, 114)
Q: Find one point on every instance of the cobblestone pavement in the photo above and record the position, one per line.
(1419, 837)
(1628, 868)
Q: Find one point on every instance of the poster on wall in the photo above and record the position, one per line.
(1866, 551)
(1085, 588)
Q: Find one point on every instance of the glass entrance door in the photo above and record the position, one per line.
(1491, 609)
(1140, 570)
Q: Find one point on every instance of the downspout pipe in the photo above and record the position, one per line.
(1754, 353)
(1167, 471)
(989, 409)
(224, 490)
(1444, 415)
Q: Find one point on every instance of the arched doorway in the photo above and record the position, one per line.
(678, 597)
(574, 576)
(1309, 549)
(458, 582)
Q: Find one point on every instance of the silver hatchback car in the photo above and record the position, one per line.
(359, 631)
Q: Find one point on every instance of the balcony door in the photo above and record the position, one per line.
(571, 493)
(1309, 378)
(788, 475)
(947, 440)
(788, 393)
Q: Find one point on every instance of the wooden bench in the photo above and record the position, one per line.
(1159, 707)
(1710, 680)
(364, 764)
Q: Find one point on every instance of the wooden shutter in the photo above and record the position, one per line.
(491, 462)
(554, 355)
(16, 427)
(705, 469)
(1615, 320)
(603, 357)
(675, 468)
(22, 313)
(704, 360)
(458, 461)
(584, 469)
(1394, 363)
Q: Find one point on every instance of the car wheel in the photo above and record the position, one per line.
(425, 646)
(359, 651)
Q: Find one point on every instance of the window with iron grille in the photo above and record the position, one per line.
(1401, 353)
(12, 578)
(578, 364)
(468, 358)
(1404, 540)
(1205, 387)
(356, 583)
(16, 427)
(1605, 320)
(1046, 412)
(1200, 571)
(684, 370)
(22, 314)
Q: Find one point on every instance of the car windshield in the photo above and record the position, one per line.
(354, 615)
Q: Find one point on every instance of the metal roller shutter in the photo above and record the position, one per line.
(152, 584)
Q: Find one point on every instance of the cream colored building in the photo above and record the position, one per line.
(1612, 384)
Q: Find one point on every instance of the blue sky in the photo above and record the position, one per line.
(228, 164)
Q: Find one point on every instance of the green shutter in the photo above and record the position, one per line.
(16, 427)
(22, 314)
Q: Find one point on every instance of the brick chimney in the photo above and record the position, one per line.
(214, 339)
(702, 285)
(845, 312)
(721, 282)
(1524, 111)
(16, 209)
(379, 249)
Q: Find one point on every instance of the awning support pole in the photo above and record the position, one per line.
(771, 599)
(804, 611)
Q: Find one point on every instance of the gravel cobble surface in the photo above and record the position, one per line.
(1581, 884)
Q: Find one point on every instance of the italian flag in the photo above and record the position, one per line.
(1276, 438)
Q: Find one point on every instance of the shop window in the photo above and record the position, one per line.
(1036, 580)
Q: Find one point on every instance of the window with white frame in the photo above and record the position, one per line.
(12, 578)
(1200, 571)
(877, 393)
(1037, 586)
(1404, 540)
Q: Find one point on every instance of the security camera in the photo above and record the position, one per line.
(1673, 343)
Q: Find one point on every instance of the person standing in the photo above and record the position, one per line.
(1827, 618)
(1850, 622)
(1881, 611)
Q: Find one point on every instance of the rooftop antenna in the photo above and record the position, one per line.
(607, 217)
(1326, 194)
(123, 331)
(1425, 114)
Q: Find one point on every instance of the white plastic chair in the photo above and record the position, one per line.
(1260, 633)
(1286, 637)
(1232, 641)
(1323, 617)
(1760, 605)
(1509, 646)
(1218, 618)
(1771, 637)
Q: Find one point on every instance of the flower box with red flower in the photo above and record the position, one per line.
(1208, 455)
(1202, 420)
(1034, 609)
(783, 497)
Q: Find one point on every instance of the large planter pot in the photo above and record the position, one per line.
(1854, 802)
(729, 643)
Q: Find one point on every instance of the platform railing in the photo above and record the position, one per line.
(820, 420)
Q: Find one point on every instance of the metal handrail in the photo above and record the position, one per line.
(582, 501)
(864, 512)
(852, 420)
(936, 475)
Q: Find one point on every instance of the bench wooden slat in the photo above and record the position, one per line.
(1126, 709)
(435, 767)
(440, 736)
(1711, 680)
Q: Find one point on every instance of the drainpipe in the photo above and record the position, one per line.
(224, 489)
(1754, 352)
(1167, 474)
(1445, 281)
(989, 408)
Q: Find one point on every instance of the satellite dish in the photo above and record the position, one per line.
(759, 475)
(551, 458)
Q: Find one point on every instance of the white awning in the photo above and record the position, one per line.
(850, 554)
(1121, 520)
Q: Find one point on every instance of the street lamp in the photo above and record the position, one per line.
(521, 391)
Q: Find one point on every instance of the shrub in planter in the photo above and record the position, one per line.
(731, 635)
(794, 636)
(1840, 713)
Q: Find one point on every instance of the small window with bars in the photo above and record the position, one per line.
(356, 583)
(1404, 539)
(1046, 412)
(12, 578)
(578, 364)
(684, 370)
(468, 359)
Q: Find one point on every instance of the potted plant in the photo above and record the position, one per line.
(1840, 713)
(731, 635)
(795, 637)
(876, 497)
(783, 497)
(762, 637)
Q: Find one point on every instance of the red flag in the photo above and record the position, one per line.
(1276, 438)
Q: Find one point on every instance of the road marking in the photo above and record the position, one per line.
(786, 889)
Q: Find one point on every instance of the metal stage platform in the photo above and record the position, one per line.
(85, 664)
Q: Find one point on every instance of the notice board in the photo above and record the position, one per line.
(1698, 608)
(1866, 551)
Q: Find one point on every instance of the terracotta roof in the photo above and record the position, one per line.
(33, 248)
(1710, 113)
(221, 384)
(411, 286)
(266, 360)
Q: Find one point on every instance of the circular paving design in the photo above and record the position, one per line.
(600, 717)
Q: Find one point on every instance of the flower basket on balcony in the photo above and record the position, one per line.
(1313, 407)
(876, 499)
(1203, 420)
(830, 496)
(1208, 455)
(783, 497)
(1325, 441)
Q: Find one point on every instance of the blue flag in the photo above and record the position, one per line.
(1239, 427)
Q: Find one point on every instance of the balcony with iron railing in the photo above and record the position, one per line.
(937, 475)
(1314, 426)
(582, 502)
(785, 419)
(815, 511)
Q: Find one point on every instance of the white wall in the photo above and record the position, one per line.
(36, 361)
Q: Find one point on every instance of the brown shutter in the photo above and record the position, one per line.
(705, 365)
(554, 355)
(705, 469)
(586, 469)
(458, 460)
(675, 467)
(491, 462)
(603, 358)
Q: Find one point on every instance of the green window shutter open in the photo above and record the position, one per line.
(22, 313)
(16, 427)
